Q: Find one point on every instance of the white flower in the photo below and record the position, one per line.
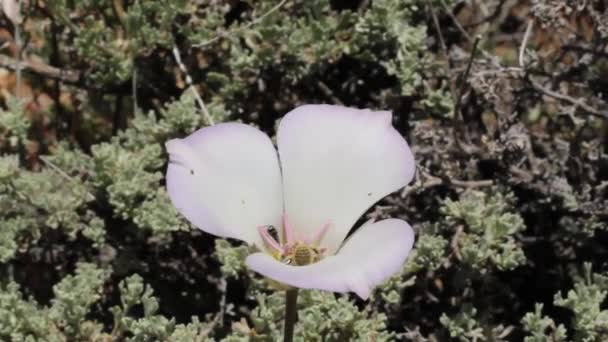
(335, 163)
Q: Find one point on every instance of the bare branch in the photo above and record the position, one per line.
(178, 59)
(46, 70)
(546, 91)
(576, 102)
(464, 32)
(329, 93)
(465, 77)
(524, 43)
(427, 180)
(438, 29)
(62, 173)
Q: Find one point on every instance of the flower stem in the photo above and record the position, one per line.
(291, 314)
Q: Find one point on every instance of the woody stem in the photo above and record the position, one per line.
(291, 314)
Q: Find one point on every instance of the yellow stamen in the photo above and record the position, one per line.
(303, 255)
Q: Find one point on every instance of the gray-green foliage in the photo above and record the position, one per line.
(486, 229)
(151, 326)
(74, 296)
(463, 326)
(585, 300)
(542, 328)
(300, 45)
(232, 258)
(126, 175)
(129, 167)
(67, 318)
(13, 123)
(36, 201)
(21, 320)
(466, 326)
(428, 255)
(86, 224)
(126, 170)
(322, 317)
(408, 39)
(319, 37)
(133, 31)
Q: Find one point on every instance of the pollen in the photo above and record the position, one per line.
(303, 255)
(292, 249)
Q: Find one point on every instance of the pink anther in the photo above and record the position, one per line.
(317, 236)
(288, 232)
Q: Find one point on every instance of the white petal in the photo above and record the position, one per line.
(373, 253)
(12, 10)
(226, 180)
(336, 163)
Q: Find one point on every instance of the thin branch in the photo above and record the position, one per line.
(66, 76)
(576, 102)
(464, 32)
(444, 47)
(18, 48)
(583, 49)
(46, 70)
(455, 242)
(119, 11)
(554, 94)
(472, 183)
(524, 43)
(242, 28)
(363, 5)
(178, 59)
(465, 77)
(495, 14)
(134, 89)
(438, 28)
(116, 118)
(428, 181)
(329, 93)
(63, 122)
(62, 173)
(222, 311)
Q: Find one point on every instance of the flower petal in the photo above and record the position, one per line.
(336, 163)
(373, 253)
(226, 180)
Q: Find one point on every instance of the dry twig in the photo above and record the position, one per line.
(551, 93)
(63, 174)
(428, 181)
(178, 59)
(45, 70)
(524, 43)
(329, 93)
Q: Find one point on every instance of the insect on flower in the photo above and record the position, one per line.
(298, 205)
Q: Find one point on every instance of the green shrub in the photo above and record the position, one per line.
(509, 203)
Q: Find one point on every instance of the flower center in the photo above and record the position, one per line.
(292, 249)
(302, 254)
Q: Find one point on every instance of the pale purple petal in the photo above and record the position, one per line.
(226, 180)
(373, 253)
(12, 10)
(336, 163)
